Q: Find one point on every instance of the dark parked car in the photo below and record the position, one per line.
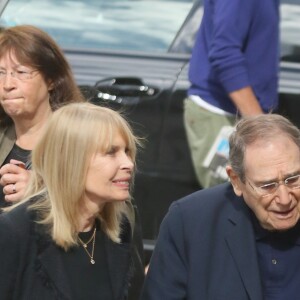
(133, 55)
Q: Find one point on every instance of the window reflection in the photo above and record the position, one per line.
(101, 24)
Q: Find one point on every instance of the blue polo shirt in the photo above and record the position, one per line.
(279, 261)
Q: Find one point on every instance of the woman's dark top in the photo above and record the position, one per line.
(34, 267)
(88, 281)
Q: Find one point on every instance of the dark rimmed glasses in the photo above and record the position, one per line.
(292, 182)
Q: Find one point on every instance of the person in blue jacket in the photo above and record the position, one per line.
(233, 72)
(238, 240)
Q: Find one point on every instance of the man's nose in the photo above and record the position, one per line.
(283, 195)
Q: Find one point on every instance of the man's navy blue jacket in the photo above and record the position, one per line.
(206, 250)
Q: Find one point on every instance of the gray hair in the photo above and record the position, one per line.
(250, 129)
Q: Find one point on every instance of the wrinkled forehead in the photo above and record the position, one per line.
(273, 157)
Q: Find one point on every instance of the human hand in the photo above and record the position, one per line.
(14, 179)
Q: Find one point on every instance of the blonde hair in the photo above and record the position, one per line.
(59, 168)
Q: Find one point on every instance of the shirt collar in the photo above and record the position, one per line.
(292, 235)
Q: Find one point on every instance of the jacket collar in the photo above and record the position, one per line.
(119, 264)
(7, 140)
(50, 267)
(241, 243)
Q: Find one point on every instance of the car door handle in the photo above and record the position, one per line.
(127, 90)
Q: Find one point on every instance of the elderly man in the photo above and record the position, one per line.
(238, 240)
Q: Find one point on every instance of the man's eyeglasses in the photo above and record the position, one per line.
(264, 190)
(19, 74)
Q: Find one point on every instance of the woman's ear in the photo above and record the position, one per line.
(235, 181)
(50, 86)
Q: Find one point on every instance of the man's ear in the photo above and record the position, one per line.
(235, 181)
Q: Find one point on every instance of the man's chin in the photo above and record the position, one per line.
(284, 225)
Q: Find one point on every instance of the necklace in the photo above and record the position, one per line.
(85, 244)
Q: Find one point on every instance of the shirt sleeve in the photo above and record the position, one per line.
(231, 31)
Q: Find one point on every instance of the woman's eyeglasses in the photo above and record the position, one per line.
(18, 74)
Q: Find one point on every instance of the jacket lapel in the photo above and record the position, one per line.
(241, 243)
(7, 140)
(49, 265)
(118, 258)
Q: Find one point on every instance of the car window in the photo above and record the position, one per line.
(148, 25)
(290, 31)
(138, 25)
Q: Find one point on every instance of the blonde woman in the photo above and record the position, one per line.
(72, 237)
